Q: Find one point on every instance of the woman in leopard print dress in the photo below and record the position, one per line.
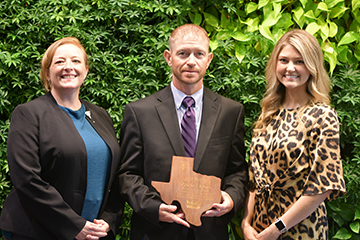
(295, 162)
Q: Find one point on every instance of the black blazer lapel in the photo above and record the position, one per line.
(166, 110)
(211, 110)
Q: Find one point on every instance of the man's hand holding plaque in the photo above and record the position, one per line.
(195, 192)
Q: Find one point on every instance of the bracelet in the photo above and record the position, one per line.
(280, 225)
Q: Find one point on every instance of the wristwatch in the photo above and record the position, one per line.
(280, 225)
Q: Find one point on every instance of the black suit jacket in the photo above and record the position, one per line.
(150, 136)
(48, 167)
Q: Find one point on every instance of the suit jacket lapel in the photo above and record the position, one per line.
(211, 110)
(168, 116)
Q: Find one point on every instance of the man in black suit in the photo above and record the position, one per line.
(151, 134)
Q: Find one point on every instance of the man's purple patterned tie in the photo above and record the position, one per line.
(188, 127)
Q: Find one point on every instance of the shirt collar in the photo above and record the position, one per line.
(179, 96)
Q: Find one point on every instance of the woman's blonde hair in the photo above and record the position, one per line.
(318, 84)
(49, 54)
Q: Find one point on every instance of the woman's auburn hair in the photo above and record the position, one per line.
(318, 84)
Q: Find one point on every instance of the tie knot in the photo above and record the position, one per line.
(188, 102)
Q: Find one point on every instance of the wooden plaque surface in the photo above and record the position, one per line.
(195, 192)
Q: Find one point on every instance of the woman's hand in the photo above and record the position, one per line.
(270, 233)
(93, 231)
(248, 231)
(101, 223)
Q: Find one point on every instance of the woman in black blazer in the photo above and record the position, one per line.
(62, 155)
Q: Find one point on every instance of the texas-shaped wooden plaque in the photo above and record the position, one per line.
(195, 192)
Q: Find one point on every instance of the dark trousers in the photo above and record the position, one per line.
(190, 235)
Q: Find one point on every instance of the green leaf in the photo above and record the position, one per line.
(285, 21)
(332, 59)
(299, 16)
(250, 99)
(332, 3)
(347, 212)
(211, 20)
(338, 12)
(265, 31)
(303, 3)
(357, 214)
(312, 28)
(250, 7)
(238, 35)
(240, 52)
(355, 4)
(197, 19)
(334, 205)
(356, 13)
(343, 233)
(342, 53)
(12, 59)
(252, 24)
(323, 7)
(349, 37)
(272, 18)
(357, 53)
(355, 227)
(298, 12)
(325, 29)
(310, 14)
(333, 29)
(263, 3)
(331, 56)
(225, 20)
(213, 45)
(223, 35)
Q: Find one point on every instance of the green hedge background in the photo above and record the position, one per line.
(125, 41)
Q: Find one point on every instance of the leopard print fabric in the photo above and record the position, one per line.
(293, 158)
